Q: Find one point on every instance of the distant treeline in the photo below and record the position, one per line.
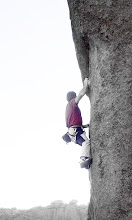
(57, 210)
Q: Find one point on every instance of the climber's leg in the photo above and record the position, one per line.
(85, 149)
(85, 159)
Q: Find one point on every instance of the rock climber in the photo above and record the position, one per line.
(75, 127)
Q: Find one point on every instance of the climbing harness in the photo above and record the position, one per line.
(71, 135)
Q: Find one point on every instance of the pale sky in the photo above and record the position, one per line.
(38, 66)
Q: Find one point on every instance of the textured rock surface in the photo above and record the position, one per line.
(102, 33)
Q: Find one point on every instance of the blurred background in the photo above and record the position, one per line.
(38, 66)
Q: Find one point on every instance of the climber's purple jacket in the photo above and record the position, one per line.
(73, 114)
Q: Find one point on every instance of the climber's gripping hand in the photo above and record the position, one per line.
(86, 82)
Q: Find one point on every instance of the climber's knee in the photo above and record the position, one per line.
(84, 136)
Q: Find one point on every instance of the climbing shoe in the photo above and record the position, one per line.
(85, 162)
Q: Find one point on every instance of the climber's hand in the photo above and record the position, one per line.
(86, 82)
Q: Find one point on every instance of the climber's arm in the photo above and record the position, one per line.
(83, 90)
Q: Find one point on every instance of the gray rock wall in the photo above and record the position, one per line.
(102, 33)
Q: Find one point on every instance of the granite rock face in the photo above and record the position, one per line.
(102, 33)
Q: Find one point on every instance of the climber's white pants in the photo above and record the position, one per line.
(85, 148)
